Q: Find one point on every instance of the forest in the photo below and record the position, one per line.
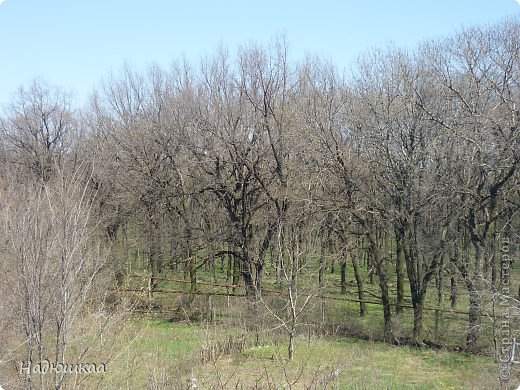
(270, 205)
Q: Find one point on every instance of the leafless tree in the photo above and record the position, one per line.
(37, 129)
(477, 74)
(52, 262)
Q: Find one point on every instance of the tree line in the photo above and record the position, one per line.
(407, 163)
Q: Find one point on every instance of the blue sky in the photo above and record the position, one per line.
(75, 43)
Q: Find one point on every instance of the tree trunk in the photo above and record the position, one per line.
(191, 263)
(453, 292)
(473, 316)
(383, 285)
(290, 348)
(440, 298)
(193, 273)
(321, 272)
(344, 275)
(360, 286)
(230, 268)
(399, 265)
(236, 272)
(266, 243)
(153, 267)
(370, 269)
(249, 282)
(418, 277)
(387, 309)
(473, 287)
(259, 278)
(417, 320)
(153, 251)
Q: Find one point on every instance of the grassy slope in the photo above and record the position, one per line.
(166, 355)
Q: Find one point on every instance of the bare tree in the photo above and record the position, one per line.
(52, 263)
(477, 74)
(37, 128)
(295, 246)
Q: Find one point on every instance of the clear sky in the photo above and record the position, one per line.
(75, 43)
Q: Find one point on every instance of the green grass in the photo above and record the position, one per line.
(360, 364)
(171, 342)
(368, 365)
(145, 351)
(169, 358)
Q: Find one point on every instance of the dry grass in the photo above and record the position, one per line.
(163, 355)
